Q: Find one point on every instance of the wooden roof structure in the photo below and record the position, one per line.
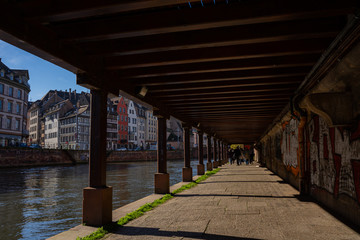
(228, 66)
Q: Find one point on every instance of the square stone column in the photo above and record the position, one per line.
(97, 198)
(200, 166)
(187, 170)
(209, 166)
(161, 182)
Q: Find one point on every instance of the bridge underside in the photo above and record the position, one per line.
(281, 74)
(230, 66)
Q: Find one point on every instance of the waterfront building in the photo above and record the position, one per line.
(51, 119)
(174, 133)
(150, 130)
(75, 128)
(122, 121)
(39, 108)
(111, 129)
(132, 124)
(140, 114)
(14, 90)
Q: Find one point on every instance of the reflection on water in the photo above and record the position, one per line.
(36, 203)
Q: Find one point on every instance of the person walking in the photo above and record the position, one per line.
(237, 154)
(231, 155)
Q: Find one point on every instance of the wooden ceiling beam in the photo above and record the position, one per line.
(244, 75)
(215, 101)
(225, 90)
(220, 66)
(240, 35)
(230, 110)
(248, 51)
(234, 104)
(193, 19)
(244, 96)
(229, 84)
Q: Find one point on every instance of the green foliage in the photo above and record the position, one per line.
(95, 235)
(101, 232)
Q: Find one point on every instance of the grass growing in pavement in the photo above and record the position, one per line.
(101, 232)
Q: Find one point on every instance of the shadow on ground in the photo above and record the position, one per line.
(156, 232)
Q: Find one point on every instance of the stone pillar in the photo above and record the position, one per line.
(162, 182)
(220, 153)
(200, 166)
(215, 164)
(209, 166)
(97, 198)
(187, 170)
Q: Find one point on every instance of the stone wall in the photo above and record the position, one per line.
(33, 157)
(331, 161)
(316, 144)
(41, 157)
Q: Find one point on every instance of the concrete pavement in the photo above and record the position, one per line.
(239, 202)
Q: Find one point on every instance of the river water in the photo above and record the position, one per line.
(39, 202)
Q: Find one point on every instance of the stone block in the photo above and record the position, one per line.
(200, 169)
(97, 206)
(162, 183)
(209, 166)
(187, 174)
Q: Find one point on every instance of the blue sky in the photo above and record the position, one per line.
(44, 76)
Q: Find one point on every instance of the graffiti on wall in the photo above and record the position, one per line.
(290, 145)
(334, 155)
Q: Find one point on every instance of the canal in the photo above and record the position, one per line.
(39, 202)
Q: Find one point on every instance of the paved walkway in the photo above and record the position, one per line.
(239, 202)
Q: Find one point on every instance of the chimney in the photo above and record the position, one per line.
(75, 94)
(70, 94)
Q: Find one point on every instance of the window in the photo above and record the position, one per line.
(11, 90)
(18, 108)
(120, 109)
(2, 88)
(19, 94)
(124, 110)
(1, 104)
(2, 73)
(11, 77)
(1, 121)
(8, 123)
(17, 125)
(10, 106)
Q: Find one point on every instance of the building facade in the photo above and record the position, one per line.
(132, 125)
(122, 121)
(14, 91)
(150, 130)
(75, 129)
(111, 129)
(140, 113)
(51, 120)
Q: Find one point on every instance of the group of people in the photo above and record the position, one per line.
(241, 155)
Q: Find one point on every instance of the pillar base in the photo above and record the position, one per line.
(97, 206)
(187, 174)
(215, 164)
(209, 166)
(200, 169)
(162, 183)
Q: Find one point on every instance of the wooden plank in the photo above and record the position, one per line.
(186, 19)
(216, 66)
(248, 51)
(225, 77)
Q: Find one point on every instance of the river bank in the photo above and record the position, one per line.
(23, 157)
